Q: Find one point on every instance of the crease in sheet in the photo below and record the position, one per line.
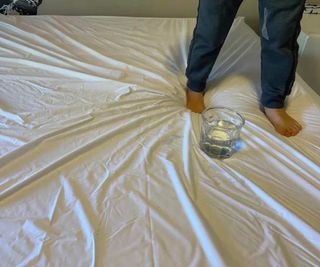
(11, 116)
(82, 211)
(203, 235)
(301, 228)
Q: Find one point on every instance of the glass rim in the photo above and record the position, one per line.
(224, 108)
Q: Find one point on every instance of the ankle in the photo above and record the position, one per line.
(274, 110)
(194, 93)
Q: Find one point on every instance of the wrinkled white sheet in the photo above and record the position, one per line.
(100, 163)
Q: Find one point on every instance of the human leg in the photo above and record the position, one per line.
(214, 20)
(279, 28)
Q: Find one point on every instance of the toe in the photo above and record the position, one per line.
(297, 125)
(283, 132)
(289, 133)
(300, 127)
(294, 131)
(296, 128)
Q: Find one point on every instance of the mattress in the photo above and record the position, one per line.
(100, 163)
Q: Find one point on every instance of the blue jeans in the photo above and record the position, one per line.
(279, 28)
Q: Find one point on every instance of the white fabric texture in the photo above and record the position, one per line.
(100, 163)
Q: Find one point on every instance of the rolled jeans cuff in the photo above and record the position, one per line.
(196, 86)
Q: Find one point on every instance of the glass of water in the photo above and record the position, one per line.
(220, 130)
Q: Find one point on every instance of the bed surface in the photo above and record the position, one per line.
(100, 163)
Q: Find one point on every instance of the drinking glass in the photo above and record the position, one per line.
(220, 129)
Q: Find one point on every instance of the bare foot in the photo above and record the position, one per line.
(282, 122)
(195, 101)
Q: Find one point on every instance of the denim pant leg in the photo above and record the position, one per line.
(214, 20)
(279, 28)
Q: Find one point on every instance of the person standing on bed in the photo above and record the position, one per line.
(279, 27)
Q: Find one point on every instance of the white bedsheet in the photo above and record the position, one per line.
(100, 163)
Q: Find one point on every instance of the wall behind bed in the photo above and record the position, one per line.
(139, 8)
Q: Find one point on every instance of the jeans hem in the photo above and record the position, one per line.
(196, 86)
